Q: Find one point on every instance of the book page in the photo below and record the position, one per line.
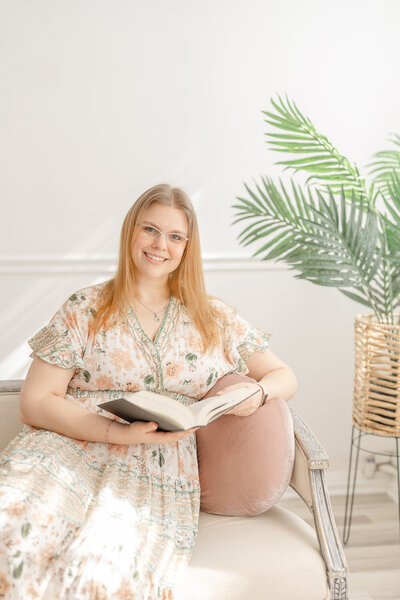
(161, 405)
(208, 409)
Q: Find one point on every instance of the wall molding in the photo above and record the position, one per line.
(106, 263)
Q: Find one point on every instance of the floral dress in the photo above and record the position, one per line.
(94, 521)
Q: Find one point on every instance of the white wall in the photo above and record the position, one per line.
(102, 100)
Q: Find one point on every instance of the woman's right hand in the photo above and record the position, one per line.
(141, 432)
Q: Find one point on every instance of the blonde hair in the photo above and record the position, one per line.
(186, 283)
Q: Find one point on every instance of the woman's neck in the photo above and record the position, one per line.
(152, 290)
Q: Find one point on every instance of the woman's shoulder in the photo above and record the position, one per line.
(85, 296)
(221, 309)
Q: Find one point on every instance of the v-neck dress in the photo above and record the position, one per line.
(94, 521)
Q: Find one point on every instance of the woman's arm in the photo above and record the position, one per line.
(272, 373)
(43, 405)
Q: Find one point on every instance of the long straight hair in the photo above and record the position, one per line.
(186, 283)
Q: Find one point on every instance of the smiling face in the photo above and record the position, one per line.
(153, 257)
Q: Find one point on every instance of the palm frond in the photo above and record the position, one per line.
(386, 164)
(324, 241)
(297, 135)
(392, 197)
(274, 216)
(392, 220)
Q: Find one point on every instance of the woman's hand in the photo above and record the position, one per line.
(141, 432)
(247, 407)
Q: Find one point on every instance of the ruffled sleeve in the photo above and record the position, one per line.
(241, 339)
(63, 340)
(247, 338)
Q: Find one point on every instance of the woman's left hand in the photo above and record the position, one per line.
(247, 407)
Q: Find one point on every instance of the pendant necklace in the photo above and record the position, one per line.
(156, 317)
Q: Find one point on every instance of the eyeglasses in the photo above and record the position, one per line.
(172, 238)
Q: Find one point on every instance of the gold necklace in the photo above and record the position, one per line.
(156, 317)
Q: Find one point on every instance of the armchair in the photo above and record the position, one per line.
(275, 555)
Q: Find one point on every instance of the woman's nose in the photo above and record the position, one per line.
(160, 241)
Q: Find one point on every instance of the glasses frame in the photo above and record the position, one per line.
(166, 233)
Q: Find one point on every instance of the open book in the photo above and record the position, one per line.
(170, 414)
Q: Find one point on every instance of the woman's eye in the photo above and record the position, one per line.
(149, 229)
(175, 237)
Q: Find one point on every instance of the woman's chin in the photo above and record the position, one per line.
(150, 272)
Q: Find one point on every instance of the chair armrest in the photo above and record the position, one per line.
(309, 455)
(308, 480)
(8, 386)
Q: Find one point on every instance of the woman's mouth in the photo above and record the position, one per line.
(154, 258)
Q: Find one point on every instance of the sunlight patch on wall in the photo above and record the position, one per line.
(16, 364)
(29, 311)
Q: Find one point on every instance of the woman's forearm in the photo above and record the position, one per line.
(280, 382)
(55, 413)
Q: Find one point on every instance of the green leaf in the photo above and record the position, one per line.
(86, 375)
(17, 572)
(356, 297)
(387, 164)
(319, 156)
(25, 529)
(191, 357)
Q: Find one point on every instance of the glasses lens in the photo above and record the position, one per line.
(151, 230)
(176, 238)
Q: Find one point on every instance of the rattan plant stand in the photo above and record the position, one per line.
(376, 398)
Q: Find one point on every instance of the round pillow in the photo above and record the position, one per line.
(245, 463)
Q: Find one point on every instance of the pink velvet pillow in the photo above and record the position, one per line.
(245, 463)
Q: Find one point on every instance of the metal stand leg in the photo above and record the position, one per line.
(398, 478)
(348, 511)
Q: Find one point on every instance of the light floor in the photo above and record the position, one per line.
(373, 549)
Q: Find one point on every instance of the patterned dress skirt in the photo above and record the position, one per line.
(91, 521)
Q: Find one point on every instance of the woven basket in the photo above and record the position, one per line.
(376, 402)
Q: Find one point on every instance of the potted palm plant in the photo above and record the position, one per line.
(334, 229)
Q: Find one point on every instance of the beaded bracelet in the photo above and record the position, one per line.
(108, 429)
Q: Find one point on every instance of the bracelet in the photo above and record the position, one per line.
(264, 394)
(108, 429)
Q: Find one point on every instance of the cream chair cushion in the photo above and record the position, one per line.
(272, 556)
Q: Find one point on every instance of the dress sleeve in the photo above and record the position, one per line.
(63, 340)
(241, 340)
(247, 338)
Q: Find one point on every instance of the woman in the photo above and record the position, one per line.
(93, 508)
